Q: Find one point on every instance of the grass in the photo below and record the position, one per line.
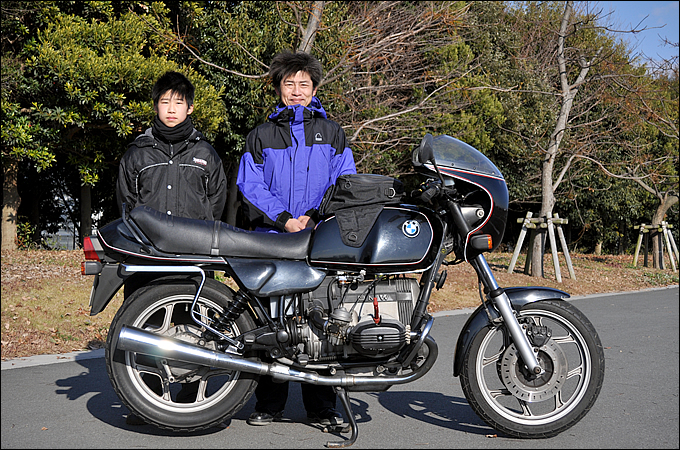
(45, 298)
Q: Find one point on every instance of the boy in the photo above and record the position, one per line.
(171, 167)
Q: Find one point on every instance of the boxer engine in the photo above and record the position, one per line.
(347, 317)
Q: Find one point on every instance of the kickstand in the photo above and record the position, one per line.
(344, 399)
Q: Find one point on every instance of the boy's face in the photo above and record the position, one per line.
(297, 89)
(172, 109)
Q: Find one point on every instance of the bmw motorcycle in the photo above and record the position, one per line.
(339, 305)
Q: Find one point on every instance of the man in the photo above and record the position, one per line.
(288, 164)
(171, 168)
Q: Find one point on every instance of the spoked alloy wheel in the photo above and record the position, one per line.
(174, 394)
(502, 391)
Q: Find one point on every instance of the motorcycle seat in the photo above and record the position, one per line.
(180, 235)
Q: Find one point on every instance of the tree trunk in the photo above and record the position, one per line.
(10, 204)
(312, 27)
(85, 212)
(598, 248)
(569, 91)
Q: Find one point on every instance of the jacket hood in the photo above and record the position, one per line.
(284, 112)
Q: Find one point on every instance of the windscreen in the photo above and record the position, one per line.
(451, 152)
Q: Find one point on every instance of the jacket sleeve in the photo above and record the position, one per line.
(125, 188)
(259, 204)
(343, 159)
(217, 188)
(341, 163)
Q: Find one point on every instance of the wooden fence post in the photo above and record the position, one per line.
(525, 225)
(639, 243)
(671, 256)
(563, 241)
(672, 240)
(553, 249)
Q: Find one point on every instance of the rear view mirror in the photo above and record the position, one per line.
(425, 151)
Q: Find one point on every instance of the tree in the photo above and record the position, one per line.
(22, 139)
(87, 81)
(588, 67)
(392, 69)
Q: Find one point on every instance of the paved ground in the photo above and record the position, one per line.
(66, 401)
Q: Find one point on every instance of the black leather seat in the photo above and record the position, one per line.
(179, 235)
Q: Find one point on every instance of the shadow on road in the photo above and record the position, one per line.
(436, 409)
(433, 408)
(105, 404)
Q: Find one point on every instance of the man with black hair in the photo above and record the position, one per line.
(173, 169)
(288, 164)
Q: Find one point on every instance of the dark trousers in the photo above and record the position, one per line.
(271, 397)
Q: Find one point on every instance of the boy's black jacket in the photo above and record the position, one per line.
(184, 179)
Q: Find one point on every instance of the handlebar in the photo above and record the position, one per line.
(428, 190)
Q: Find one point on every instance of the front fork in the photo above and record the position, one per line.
(502, 303)
(497, 295)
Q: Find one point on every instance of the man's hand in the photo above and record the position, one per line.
(295, 225)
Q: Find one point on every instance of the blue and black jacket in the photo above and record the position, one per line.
(288, 164)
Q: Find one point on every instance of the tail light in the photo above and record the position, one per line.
(88, 249)
(92, 265)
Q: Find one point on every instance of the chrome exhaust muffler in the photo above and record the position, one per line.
(133, 339)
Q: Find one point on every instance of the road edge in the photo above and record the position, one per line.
(41, 360)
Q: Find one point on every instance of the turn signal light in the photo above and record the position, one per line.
(90, 267)
(481, 242)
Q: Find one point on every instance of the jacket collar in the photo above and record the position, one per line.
(147, 139)
(298, 113)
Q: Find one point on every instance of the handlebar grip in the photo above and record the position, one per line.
(429, 194)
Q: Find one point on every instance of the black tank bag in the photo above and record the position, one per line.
(357, 200)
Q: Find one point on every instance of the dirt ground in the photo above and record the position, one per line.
(45, 298)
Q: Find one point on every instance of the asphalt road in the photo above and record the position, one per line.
(70, 404)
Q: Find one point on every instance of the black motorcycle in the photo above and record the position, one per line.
(343, 304)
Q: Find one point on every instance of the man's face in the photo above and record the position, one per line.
(297, 89)
(172, 109)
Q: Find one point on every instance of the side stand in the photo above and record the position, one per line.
(344, 399)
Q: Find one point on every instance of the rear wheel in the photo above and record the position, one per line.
(173, 394)
(503, 392)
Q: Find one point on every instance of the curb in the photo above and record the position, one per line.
(41, 360)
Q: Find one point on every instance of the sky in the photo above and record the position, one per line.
(628, 14)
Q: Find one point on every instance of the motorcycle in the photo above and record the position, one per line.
(339, 306)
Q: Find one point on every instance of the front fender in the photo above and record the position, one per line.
(519, 296)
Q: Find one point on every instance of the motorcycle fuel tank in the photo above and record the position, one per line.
(402, 239)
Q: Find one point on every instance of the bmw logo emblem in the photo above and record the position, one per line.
(411, 228)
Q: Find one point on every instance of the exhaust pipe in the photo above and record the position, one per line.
(133, 339)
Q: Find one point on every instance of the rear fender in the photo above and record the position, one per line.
(111, 278)
(104, 286)
(519, 296)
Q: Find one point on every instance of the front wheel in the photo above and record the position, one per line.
(172, 394)
(501, 390)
